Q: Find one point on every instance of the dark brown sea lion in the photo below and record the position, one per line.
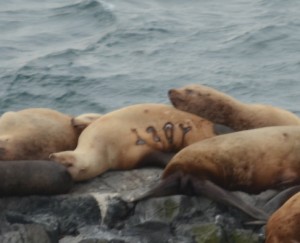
(250, 161)
(29, 177)
(133, 136)
(221, 108)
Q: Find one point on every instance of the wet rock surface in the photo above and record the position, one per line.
(98, 211)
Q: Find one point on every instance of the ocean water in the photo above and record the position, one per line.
(81, 56)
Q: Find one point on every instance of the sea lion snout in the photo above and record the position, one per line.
(175, 97)
(171, 92)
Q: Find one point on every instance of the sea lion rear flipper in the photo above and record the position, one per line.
(166, 187)
(218, 194)
(278, 200)
(179, 183)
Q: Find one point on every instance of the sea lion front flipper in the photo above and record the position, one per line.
(82, 121)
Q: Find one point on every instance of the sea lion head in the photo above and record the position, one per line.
(203, 101)
(70, 160)
(187, 98)
(82, 166)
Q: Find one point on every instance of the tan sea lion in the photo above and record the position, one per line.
(133, 136)
(283, 225)
(221, 108)
(250, 161)
(35, 133)
(32, 177)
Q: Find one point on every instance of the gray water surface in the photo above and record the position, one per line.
(95, 56)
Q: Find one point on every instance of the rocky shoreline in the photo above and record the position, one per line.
(99, 211)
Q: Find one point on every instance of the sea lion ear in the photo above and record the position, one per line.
(84, 120)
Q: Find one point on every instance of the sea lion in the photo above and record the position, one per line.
(283, 225)
(133, 136)
(35, 133)
(224, 109)
(250, 161)
(28, 177)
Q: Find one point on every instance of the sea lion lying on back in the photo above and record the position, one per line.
(133, 136)
(36, 133)
(250, 161)
(283, 225)
(224, 109)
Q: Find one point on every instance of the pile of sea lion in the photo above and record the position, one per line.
(208, 143)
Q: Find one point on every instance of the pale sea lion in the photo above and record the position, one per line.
(35, 133)
(250, 161)
(283, 225)
(29, 177)
(221, 108)
(133, 136)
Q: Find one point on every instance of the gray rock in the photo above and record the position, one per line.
(24, 233)
(99, 211)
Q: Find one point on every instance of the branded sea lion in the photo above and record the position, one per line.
(250, 161)
(35, 133)
(32, 177)
(131, 137)
(221, 108)
(283, 225)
